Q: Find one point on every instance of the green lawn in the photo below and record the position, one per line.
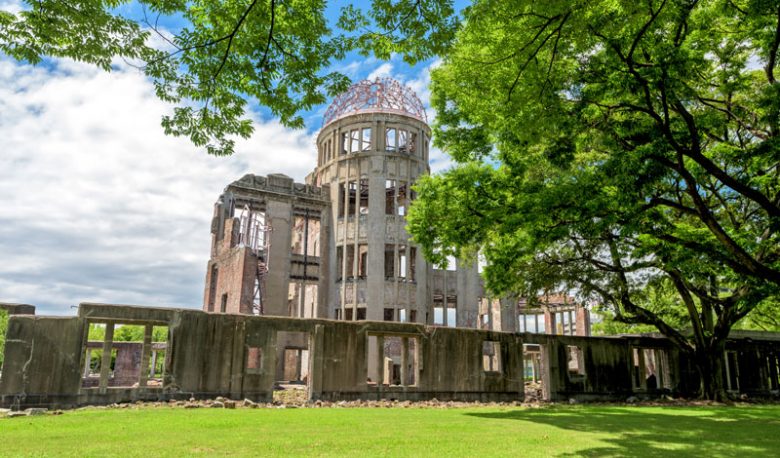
(552, 431)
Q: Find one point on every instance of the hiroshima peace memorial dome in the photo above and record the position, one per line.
(336, 246)
(318, 286)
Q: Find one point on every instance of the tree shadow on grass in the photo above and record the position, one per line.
(663, 431)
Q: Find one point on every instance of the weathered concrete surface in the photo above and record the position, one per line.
(236, 356)
(17, 309)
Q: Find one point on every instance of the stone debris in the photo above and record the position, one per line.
(225, 403)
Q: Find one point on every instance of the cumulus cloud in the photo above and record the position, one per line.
(99, 204)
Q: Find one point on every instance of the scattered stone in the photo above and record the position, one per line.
(632, 400)
(249, 403)
(572, 401)
(229, 404)
(218, 404)
(192, 405)
(220, 399)
(34, 411)
(16, 414)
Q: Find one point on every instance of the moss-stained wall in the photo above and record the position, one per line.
(211, 354)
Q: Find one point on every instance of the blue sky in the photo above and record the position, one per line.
(100, 205)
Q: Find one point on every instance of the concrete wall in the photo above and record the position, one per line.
(213, 354)
(208, 355)
(17, 309)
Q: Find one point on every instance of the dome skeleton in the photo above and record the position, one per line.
(382, 94)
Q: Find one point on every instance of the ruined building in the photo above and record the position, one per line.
(336, 247)
(319, 283)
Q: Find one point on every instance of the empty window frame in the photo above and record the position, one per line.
(650, 369)
(306, 235)
(326, 152)
(361, 314)
(365, 140)
(732, 371)
(575, 363)
(347, 199)
(389, 261)
(391, 139)
(445, 316)
(362, 261)
(390, 197)
(528, 322)
(363, 196)
(389, 314)
(407, 142)
(396, 360)
(344, 143)
(402, 198)
(214, 277)
(491, 356)
(223, 303)
(124, 355)
(252, 231)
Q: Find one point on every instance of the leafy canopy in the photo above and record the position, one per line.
(626, 150)
(230, 54)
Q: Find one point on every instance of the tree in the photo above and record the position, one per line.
(281, 54)
(620, 149)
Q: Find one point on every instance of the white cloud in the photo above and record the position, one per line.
(100, 205)
(11, 6)
(386, 69)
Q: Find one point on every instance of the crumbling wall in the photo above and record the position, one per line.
(238, 356)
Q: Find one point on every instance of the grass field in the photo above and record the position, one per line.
(551, 431)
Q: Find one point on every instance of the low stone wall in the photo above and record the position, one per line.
(237, 356)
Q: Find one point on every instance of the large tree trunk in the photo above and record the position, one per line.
(710, 363)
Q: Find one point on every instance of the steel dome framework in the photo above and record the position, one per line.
(382, 94)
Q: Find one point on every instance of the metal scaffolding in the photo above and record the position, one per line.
(254, 233)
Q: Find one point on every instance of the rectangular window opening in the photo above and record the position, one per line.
(363, 196)
(223, 303)
(366, 139)
(393, 360)
(389, 197)
(491, 356)
(574, 363)
(391, 144)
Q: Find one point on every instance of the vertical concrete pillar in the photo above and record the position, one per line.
(549, 320)
(509, 315)
(582, 321)
(468, 294)
(375, 234)
(105, 361)
(145, 350)
(404, 361)
(279, 213)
